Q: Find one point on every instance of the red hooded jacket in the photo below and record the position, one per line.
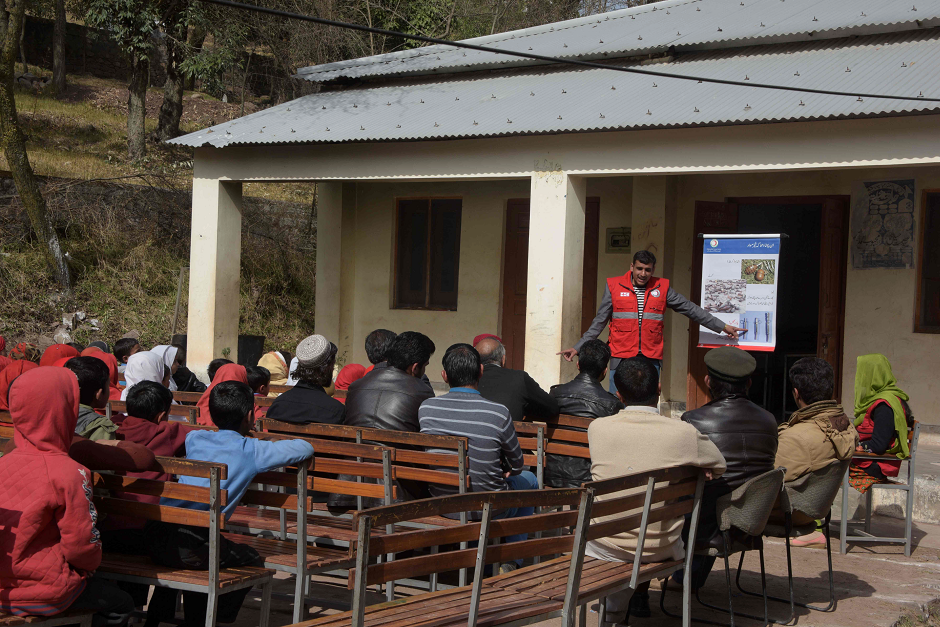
(50, 544)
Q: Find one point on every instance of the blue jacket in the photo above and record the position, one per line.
(246, 457)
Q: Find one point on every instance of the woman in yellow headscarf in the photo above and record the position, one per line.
(882, 419)
(277, 366)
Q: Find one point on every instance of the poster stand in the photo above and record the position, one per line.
(739, 287)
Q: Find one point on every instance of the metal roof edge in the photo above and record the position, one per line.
(622, 129)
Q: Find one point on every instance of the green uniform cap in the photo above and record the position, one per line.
(730, 364)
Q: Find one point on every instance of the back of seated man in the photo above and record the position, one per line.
(389, 398)
(583, 396)
(744, 432)
(816, 434)
(514, 389)
(638, 439)
(308, 401)
(487, 425)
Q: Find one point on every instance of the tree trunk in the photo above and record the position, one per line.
(58, 50)
(23, 48)
(197, 37)
(137, 108)
(171, 111)
(14, 143)
(245, 79)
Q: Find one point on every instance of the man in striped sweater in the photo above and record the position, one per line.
(495, 456)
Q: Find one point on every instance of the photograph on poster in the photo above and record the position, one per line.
(758, 271)
(725, 296)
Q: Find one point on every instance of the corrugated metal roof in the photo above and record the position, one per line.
(683, 25)
(538, 100)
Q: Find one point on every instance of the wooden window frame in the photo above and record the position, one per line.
(919, 324)
(427, 260)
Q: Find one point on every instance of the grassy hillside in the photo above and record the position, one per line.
(128, 238)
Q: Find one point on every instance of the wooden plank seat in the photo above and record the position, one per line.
(282, 555)
(561, 586)
(190, 413)
(69, 617)
(449, 607)
(117, 496)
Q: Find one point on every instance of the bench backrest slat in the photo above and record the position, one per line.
(190, 412)
(162, 489)
(150, 511)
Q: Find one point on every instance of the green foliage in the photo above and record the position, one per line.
(210, 63)
(130, 23)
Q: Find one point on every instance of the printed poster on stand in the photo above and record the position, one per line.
(739, 286)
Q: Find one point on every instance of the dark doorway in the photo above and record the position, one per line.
(811, 288)
(515, 275)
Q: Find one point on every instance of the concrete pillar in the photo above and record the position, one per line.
(215, 263)
(556, 259)
(329, 259)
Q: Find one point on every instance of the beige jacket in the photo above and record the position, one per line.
(808, 441)
(636, 440)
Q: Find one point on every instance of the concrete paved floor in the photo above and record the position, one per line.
(873, 584)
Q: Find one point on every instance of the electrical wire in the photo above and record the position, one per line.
(556, 60)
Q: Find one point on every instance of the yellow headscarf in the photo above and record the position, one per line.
(276, 365)
(874, 381)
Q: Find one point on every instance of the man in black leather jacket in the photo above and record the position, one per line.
(744, 432)
(389, 398)
(583, 396)
(513, 389)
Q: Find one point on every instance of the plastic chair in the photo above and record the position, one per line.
(746, 510)
(858, 535)
(811, 495)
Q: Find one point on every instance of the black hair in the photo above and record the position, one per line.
(813, 378)
(148, 399)
(93, 376)
(645, 257)
(377, 344)
(593, 358)
(123, 348)
(76, 346)
(462, 365)
(214, 366)
(180, 353)
(322, 375)
(637, 381)
(720, 388)
(409, 348)
(287, 357)
(229, 402)
(258, 376)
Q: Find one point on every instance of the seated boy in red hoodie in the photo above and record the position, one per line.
(50, 547)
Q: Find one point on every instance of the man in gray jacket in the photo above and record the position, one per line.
(634, 306)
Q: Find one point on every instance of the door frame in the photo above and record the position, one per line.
(827, 202)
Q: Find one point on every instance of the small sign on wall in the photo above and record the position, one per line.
(883, 224)
(618, 240)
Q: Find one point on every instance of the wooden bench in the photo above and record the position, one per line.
(190, 413)
(139, 569)
(560, 586)
(445, 465)
(68, 617)
(562, 435)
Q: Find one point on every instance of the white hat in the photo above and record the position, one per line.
(314, 351)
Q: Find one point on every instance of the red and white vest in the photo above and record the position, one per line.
(627, 336)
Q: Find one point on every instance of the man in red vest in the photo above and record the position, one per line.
(634, 305)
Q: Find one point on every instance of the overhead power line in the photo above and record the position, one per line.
(558, 60)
